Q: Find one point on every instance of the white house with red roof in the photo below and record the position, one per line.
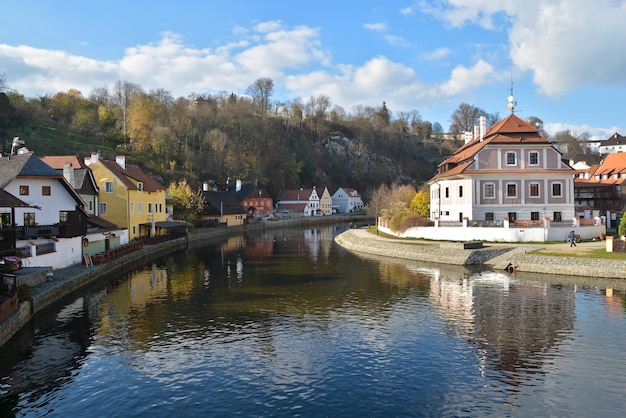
(507, 183)
(508, 172)
(304, 202)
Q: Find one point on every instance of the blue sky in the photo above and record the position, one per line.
(565, 57)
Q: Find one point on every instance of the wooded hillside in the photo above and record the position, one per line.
(225, 136)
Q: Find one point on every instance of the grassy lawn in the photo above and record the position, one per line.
(595, 253)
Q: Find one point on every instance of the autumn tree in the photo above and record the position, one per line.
(420, 204)
(123, 92)
(187, 203)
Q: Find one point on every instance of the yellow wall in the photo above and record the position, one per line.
(158, 202)
(326, 202)
(117, 203)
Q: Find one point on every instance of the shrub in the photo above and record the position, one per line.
(400, 222)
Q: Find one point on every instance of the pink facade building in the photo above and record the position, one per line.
(508, 172)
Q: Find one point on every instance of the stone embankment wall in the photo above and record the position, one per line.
(570, 266)
(446, 253)
(499, 256)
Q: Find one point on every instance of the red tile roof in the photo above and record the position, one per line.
(135, 173)
(59, 161)
(510, 130)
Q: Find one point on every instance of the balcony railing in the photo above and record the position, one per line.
(57, 230)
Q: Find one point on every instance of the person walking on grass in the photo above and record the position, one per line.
(572, 239)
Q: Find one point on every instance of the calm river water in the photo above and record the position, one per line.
(287, 323)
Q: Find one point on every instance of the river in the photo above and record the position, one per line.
(288, 323)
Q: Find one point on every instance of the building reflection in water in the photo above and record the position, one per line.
(511, 324)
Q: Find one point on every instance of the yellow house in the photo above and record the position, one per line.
(326, 202)
(127, 196)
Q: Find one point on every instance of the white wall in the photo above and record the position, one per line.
(499, 234)
(59, 200)
(68, 252)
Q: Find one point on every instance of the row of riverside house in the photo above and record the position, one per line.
(63, 209)
(248, 201)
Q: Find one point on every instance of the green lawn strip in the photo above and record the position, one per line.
(416, 241)
(595, 253)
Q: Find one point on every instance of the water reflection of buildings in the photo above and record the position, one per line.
(512, 324)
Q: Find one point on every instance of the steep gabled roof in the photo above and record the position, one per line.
(252, 190)
(295, 195)
(221, 203)
(510, 130)
(24, 165)
(28, 165)
(353, 193)
(612, 164)
(615, 139)
(132, 172)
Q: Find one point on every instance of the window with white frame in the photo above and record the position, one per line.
(533, 158)
(511, 190)
(533, 190)
(108, 187)
(140, 208)
(102, 208)
(489, 191)
(557, 190)
(511, 158)
(149, 207)
(132, 208)
(140, 187)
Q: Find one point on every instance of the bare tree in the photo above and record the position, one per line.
(123, 92)
(4, 87)
(261, 91)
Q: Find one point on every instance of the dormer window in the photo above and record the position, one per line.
(140, 187)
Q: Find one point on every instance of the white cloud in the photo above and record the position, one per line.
(437, 54)
(267, 50)
(564, 44)
(465, 79)
(376, 27)
(595, 133)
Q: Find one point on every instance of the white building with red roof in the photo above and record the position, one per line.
(509, 172)
(304, 202)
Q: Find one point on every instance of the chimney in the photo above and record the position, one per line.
(468, 136)
(68, 173)
(477, 132)
(238, 185)
(483, 127)
(95, 156)
(205, 187)
(121, 161)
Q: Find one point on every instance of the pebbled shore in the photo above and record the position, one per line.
(527, 257)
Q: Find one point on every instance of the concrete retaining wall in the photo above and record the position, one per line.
(446, 253)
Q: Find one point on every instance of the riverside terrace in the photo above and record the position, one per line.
(504, 231)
